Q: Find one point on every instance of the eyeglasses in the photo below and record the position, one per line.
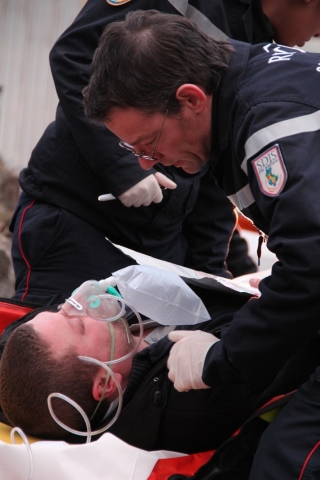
(151, 158)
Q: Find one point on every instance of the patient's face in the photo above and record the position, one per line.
(87, 336)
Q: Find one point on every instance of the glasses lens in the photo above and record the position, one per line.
(127, 146)
(146, 157)
(130, 149)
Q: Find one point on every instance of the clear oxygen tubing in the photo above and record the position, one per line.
(108, 282)
(27, 444)
(91, 305)
(104, 365)
(137, 314)
(89, 432)
(108, 374)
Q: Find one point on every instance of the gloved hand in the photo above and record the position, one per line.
(146, 191)
(186, 358)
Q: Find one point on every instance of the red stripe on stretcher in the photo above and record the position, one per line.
(21, 249)
(187, 465)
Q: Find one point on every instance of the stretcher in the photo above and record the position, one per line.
(103, 458)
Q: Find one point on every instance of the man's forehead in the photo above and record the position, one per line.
(133, 125)
(43, 317)
(48, 326)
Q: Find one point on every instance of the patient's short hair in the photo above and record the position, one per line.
(29, 372)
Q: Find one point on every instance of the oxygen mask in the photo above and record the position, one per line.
(89, 300)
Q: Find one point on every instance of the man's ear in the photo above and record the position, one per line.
(99, 381)
(192, 96)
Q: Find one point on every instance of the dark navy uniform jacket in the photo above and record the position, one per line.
(74, 163)
(266, 154)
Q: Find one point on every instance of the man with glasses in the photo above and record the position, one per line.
(253, 114)
(59, 220)
(142, 155)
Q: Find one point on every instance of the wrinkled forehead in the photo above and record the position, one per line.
(132, 125)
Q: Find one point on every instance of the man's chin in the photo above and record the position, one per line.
(188, 167)
(291, 44)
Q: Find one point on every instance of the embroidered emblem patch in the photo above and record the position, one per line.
(117, 3)
(270, 171)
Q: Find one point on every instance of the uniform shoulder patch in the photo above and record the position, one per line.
(117, 3)
(270, 171)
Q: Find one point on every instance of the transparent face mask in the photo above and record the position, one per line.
(82, 303)
(89, 300)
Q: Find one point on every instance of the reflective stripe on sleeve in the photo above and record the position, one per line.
(199, 18)
(243, 198)
(286, 128)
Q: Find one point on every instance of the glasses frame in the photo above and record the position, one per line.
(142, 155)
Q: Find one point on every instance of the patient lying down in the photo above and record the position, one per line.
(40, 357)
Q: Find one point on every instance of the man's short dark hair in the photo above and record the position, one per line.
(142, 61)
(29, 372)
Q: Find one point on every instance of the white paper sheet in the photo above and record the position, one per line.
(107, 458)
(195, 277)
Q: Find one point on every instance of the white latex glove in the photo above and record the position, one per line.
(186, 358)
(146, 191)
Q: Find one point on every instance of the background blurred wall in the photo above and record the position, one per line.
(28, 29)
(313, 45)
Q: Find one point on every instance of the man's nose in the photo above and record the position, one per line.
(146, 164)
